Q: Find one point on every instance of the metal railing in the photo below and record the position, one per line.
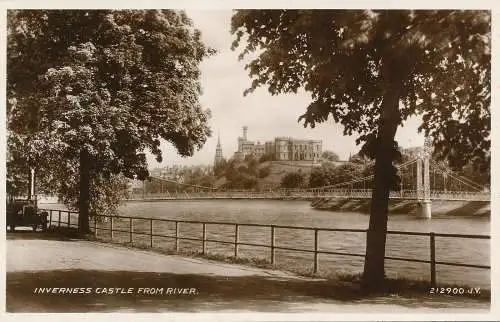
(272, 246)
(56, 219)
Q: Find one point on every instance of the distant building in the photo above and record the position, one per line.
(282, 148)
(218, 152)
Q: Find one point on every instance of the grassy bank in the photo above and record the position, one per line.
(439, 208)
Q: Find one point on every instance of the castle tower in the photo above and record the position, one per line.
(218, 152)
(245, 130)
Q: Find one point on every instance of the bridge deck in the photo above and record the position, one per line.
(310, 195)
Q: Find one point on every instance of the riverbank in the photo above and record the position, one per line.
(406, 207)
(300, 213)
(35, 262)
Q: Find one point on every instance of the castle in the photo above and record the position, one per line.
(282, 148)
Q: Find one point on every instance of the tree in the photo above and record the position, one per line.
(292, 180)
(220, 167)
(99, 87)
(243, 168)
(330, 156)
(252, 164)
(372, 69)
(322, 176)
(206, 180)
(264, 172)
(358, 158)
(329, 174)
(17, 176)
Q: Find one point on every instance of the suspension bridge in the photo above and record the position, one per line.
(421, 179)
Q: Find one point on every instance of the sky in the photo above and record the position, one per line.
(223, 81)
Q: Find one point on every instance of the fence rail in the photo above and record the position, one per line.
(272, 246)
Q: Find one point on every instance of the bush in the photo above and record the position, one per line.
(292, 180)
(264, 172)
(243, 169)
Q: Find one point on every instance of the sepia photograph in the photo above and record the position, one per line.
(295, 161)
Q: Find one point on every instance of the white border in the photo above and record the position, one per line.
(494, 313)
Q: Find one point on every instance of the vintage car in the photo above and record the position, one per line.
(24, 213)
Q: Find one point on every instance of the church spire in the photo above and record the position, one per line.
(218, 151)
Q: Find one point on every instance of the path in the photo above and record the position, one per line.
(35, 263)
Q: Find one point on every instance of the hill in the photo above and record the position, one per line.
(276, 171)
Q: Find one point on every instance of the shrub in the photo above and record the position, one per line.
(292, 180)
(264, 172)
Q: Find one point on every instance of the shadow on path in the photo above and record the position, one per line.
(62, 234)
(213, 293)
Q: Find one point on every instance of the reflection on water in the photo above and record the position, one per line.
(299, 213)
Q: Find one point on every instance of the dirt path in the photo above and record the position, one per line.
(87, 255)
(203, 285)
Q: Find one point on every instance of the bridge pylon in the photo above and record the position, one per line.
(423, 183)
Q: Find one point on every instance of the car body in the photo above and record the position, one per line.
(24, 212)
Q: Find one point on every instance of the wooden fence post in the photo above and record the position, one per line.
(236, 233)
(433, 259)
(177, 236)
(111, 228)
(59, 220)
(204, 237)
(272, 245)
(95, 225)
(151, 232)
(131, 231)
(50, 217)
(69, 218)
(315, 268)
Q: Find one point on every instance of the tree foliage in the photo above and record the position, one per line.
(220, 167)
(330, 156)
(329, 174)
(241, 175)
(108, 83)
(292, 180)
(347, 59)
(371, 70)
(264, 172)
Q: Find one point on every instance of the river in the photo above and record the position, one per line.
(300, 213)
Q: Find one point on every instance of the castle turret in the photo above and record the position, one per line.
(245, 130)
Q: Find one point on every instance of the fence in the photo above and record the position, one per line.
(56, 219)
(149, 231)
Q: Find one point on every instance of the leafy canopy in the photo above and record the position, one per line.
(113, 83)
(439, 62)
(330, 156)
(292, 180)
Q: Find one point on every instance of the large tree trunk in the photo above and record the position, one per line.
(84, 198)
(374, 274)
